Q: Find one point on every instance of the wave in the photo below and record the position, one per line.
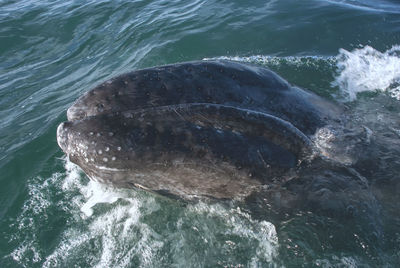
(363, 69)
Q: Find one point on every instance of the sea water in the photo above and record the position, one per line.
(51, 52)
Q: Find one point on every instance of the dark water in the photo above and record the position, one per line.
(53, 51)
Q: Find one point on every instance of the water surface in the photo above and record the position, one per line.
(53, 51)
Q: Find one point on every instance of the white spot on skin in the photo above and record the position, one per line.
(113, 158)
(107, 149)
(105, 159)
(100, 152)
(110, 134)
(92, 159)
(98, 134)
(119, 148)
(91, 133)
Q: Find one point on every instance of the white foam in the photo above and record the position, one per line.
(119, 231)
(26, 248)
(125, 236)
(93, 192)
(363, 69)
(277, 61)
(262, 234)
(119, 234)
(97, 194)
(28, 221)
(367, 69)
(71, 241)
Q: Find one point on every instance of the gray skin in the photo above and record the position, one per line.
(210, 128)
(223, 130)
(219, 82)
(186, 150)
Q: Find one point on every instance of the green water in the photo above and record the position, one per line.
(53, 51)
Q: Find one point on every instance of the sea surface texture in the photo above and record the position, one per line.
(51, 52)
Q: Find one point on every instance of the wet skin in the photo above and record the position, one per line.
(208, 128)
(224, 130)
(218, 82)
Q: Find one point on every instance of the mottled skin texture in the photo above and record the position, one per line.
(208, 128)
(227, 147)
(224, 130)
(218, 82)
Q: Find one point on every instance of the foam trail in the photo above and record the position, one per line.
(367, 69)
(311, 61)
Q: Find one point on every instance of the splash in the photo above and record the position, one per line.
(361, 70)
(93, 192)
(367, 69)
(106, 227)
(112, 228)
